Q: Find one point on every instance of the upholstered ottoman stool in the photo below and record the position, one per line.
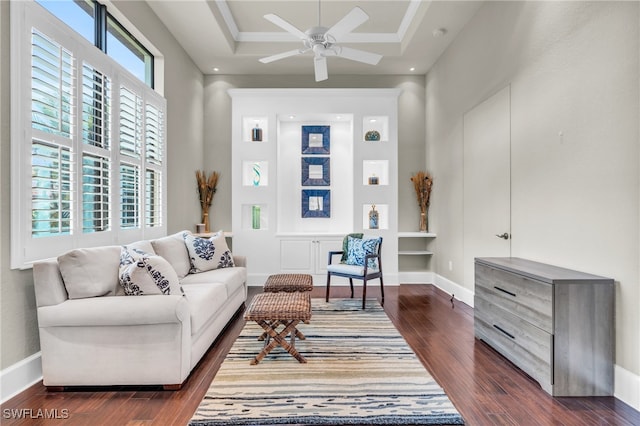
(270, 310)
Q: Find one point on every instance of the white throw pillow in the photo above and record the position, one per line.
(173, 250)
(144, 274)
(208, 253)
(90, 272)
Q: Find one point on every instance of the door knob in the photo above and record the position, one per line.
(504, 236)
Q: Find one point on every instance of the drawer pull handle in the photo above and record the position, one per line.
(497, 327)
(504, 291)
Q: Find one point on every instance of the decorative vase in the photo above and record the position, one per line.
(373, 217)
(373, 180)
(372, 135)
(205, 220)
(255, 217)
(256, 174)
(256, 134)
(424, 225)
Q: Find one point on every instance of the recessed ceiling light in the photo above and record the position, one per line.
(412, 69)
(373, 120)
(216, 69)
(291, 117)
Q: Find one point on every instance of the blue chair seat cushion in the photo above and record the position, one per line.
(358, 248)
(355, 270)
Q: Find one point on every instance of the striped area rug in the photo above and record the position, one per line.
(359, 371)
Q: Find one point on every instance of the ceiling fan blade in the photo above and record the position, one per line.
(351, 21)
(285, 26)
(282, 55)
(320, 68)
(358, 55)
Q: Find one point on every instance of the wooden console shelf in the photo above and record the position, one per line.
(556, 324)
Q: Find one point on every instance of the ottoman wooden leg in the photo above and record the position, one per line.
(275, 326)
(279, 339)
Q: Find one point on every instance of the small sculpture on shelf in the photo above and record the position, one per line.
(373, 180)
(373, 218)
(423, 183)
(256, 133)
(207, 187)
(255, 217)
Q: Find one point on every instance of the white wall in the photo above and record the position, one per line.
(573, 69)
(184, 92)
(411, 131)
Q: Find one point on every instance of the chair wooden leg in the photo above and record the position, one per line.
(328, 284)
(364, 293)
(351, 284)
(382, 290)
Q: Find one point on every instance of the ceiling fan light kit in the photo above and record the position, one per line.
(324, 42)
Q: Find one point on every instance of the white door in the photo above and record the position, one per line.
(487, 181)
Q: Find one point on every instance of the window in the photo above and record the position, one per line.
(130, 53)
(91, 20)
(88, 144)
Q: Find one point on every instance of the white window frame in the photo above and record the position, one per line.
(25, 250)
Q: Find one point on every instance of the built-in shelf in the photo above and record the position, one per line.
(375, 172)
(416, 249)
(255, 173)
(261, 132)
(416, 234)
(375, 129)
(415, 253)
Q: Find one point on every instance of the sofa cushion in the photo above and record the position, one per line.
(90, 272)
(232, 278)
(206, 254)
(204, 300)
(172, 248)
(358, 248)
(146, 274)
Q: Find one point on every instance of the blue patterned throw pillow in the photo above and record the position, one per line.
(141, 274)
(206, 254)
(358, 248)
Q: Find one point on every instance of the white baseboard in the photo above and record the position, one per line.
(21, 375)
(416, 277)
(627, 387)
(461, 293)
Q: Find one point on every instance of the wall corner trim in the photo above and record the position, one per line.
(626, 386)
(19, 376)
(461, 293)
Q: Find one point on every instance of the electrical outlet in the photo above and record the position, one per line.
(451, 265)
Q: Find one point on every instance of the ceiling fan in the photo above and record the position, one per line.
(323, 42)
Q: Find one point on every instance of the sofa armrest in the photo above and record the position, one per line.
(240, 260)
(116, 311)
(48, 284)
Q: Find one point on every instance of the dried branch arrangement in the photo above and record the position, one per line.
(207, 187)
(423, 183)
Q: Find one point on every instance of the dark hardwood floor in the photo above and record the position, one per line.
(485, 387)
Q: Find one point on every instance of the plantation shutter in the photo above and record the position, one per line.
(129, 196)
(72, 183)
(51, 112)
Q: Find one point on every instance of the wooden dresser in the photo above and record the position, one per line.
(556, 324)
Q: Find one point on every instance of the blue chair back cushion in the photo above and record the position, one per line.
(358, 248)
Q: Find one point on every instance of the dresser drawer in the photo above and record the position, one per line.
(523, 297)
(526, 345)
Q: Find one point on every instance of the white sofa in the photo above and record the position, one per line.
(116, 339)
